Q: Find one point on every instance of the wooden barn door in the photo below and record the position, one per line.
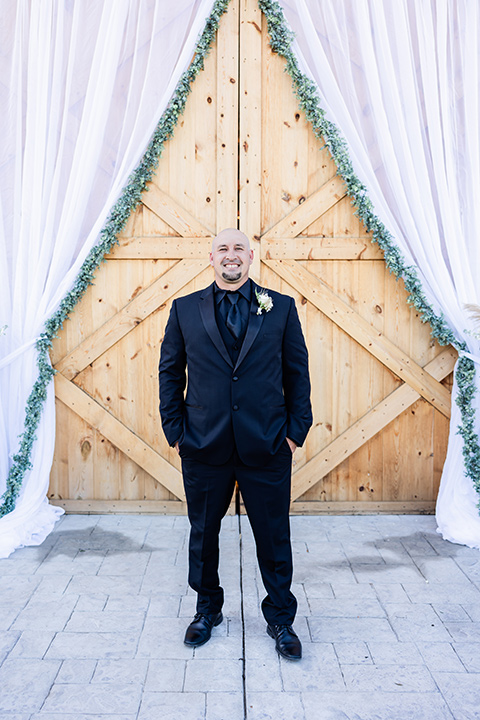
(244, 156)
(111, 454)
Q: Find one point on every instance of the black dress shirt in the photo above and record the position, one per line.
(222, 306)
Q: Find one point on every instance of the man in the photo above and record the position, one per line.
(246, 409)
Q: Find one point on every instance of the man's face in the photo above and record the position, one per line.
(231, 258)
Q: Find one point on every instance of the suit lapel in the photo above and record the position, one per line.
(254, 324)
(207, 312)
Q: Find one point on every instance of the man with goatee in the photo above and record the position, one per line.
(245, 411)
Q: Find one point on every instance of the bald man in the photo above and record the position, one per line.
(245, 411)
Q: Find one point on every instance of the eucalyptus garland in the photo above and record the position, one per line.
(117, 219)
(281, 38)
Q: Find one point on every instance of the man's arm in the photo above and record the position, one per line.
(296, 380)
(172, 379)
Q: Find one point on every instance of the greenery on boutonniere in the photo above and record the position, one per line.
(264, 301)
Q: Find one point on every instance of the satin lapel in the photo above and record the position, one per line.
(254, 324)
(207, 311)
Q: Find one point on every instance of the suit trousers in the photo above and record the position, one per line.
(266, 494)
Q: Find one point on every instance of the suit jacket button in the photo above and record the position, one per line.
(235, 378)
(235, 407)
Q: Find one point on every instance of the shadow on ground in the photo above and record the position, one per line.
(71, 542)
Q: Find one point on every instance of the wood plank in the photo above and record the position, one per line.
(320, 248)
(104, 507)
(130, 316)
(201, 182)
(360, 330)
(250, 149)
(275, 202)
(143, 507)
(82, 458)
(308, 211)
(148, 425)
(285, 142)
(322, 360)
(60, 472)
(362, 508)
(398, 314)
(347, 355)
(119, 435)
(172, 213)
(366, 427)
(172, 507)
(227, 119)
(134, 385)
(365, 470)
(101, 383)
(153, 247)
(203, 178)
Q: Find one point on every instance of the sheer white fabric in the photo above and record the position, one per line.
(82, 88)
(400, 79)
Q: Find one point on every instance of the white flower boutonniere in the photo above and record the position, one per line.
(264, 301)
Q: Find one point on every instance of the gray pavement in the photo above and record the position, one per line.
(92, 624)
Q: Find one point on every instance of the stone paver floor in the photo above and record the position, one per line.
(92, 624)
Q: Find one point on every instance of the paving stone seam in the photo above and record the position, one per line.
(48, 648)
(70, 616)
(458, 656)
(432, 605)
(53, 681)
(302, 695)
(149, 559)
(340, 665)
(464, 608)
(143, 628)
(463, 571)
(185, 665)
(242, 619)
(387, 616)
(309, 629)
(450, 709)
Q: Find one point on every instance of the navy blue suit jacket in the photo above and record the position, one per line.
(252, 406)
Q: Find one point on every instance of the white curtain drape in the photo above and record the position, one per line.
(82, 87)
(400, 79)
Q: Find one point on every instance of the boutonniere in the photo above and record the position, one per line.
(264, 301)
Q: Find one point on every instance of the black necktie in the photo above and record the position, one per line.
(234, 317)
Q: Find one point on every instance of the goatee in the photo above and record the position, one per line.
(231, 278)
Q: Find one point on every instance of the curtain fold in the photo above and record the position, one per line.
(83, 87)
(400, 79)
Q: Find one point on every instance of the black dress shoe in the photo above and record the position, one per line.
(287, 642)
(200, 629)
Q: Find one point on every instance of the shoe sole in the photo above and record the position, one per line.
(284, 655)
(217, 622)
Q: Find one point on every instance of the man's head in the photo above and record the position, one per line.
(231, 258)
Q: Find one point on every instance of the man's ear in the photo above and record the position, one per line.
(210, 257)
(251, 256)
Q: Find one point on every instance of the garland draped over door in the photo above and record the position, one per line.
(85, 84)
(400, 80)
